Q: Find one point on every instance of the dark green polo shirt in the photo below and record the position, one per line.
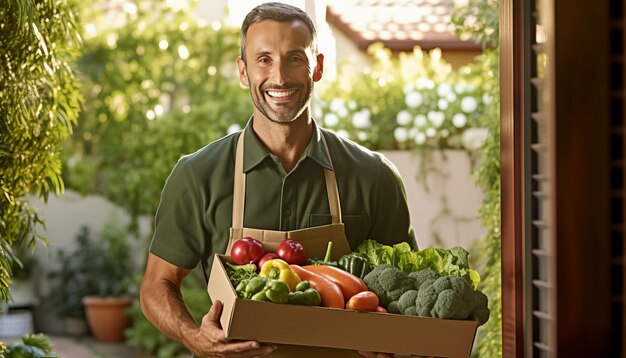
(195, 213)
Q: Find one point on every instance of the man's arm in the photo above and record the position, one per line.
(162, 304)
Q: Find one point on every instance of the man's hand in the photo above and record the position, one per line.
(211, 341)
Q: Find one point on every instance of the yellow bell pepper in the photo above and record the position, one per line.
(278, 269)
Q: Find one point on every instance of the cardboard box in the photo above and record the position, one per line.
(336, 328)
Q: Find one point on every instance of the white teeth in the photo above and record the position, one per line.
(281, 93)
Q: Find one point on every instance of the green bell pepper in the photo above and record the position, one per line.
(254, 286)
(305, 295)
(277, 291)
(356, 265)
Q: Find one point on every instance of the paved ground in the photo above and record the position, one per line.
(87, 347)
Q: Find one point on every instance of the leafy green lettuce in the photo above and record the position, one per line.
(447, 262)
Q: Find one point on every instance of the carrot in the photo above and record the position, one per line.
(350, 284)
(328, 290)
(363, 301)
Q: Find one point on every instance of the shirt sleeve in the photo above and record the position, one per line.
(179, 231)
(391, 222)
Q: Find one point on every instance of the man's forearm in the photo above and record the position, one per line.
(163, 305)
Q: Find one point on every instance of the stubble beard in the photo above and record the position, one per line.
(258, 99)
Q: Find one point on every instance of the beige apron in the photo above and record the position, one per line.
(314, 239)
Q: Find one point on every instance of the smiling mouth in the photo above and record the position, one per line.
(280, 94)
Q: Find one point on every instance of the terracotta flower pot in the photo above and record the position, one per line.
(106, 317)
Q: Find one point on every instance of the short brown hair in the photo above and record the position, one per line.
(277, 12)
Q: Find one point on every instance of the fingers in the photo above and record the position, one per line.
(214, 313)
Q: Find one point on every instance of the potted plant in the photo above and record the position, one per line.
(94, 282)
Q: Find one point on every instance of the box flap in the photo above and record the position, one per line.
(219, 288)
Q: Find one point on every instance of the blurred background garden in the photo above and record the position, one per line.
(99, 99)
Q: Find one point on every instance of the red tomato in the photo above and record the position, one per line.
(267, 257)
(292, 251)
(363, 301)
(247, 250)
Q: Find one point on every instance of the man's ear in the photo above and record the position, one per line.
(319, 68)
(243, 76)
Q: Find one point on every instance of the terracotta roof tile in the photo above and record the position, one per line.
(399, 24)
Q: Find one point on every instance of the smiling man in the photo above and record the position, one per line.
(293, 174)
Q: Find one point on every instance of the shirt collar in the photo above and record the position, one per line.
(255, 152)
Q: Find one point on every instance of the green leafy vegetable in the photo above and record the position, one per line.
(454, 261)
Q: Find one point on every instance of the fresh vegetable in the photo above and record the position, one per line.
(305, 295)
(388, 283)
(355, 264)
(454, 261)
(349, 284)
(449, 297)
(237, 273)
(365, 301)
(268, 256)
(326, 260)
(330, 293)
(278, 269)
(277, 291)
(292, 251)
(248, 288)
(246, 250)
(263, 289)
(381, 309)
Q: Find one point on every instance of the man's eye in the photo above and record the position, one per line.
(264, 60)
(295, 59)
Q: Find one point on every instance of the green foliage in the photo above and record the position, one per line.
(153, 93)
(39, 104)
(147, 338)
(479, 19)
(30, 346)
(413, 100)
(96, 267)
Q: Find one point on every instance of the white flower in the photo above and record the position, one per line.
(431, 132)
(468, 104)
(487, 98)
(343, 133)
(331, 119)
(460, 88)
(442, 104)
(459, 120)
(474, 138)
(362, 135)
(444, 89)
(403, 118)
(423, 83)
(451, 97)
(233, 128)
(352, 105)
(336, 105)
(409, 87)
(361, 119)
(420, 120)
(420, 138)
(436, 118)
(343, 112)
(414, 99)
(401, 134)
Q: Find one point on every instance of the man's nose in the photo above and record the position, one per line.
(280, 73)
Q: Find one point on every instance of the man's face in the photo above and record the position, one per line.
(280, 69)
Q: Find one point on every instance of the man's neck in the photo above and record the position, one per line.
(287, 141)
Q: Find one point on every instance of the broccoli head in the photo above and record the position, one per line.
(423, 276)
(388, 283)
(448, 297)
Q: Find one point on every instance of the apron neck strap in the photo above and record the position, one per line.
(239, 193)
